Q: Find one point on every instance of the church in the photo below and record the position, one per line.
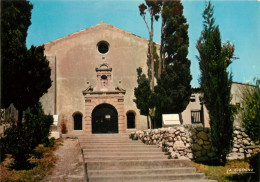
(94, 73)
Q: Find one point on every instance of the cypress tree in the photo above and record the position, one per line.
(173, 89)
(214, 59)
(26, 73)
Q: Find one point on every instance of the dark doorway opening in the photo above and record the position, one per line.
(77, 122)
(130, 120)
(104, 119)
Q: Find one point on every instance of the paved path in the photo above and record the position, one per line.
(69, 166)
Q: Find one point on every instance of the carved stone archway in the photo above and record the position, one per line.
(104, 93)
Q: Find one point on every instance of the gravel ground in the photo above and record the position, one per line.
(69, 166)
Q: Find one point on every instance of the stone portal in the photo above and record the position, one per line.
(104, 119)
(104, 105)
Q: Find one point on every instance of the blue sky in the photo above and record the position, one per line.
(239, 22)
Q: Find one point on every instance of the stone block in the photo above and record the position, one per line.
(182, 129)
(239, 136)
(200, 141)
(207, 142)
(197, 154)
(202, 135)
(207, 146)
(190, 155)
(178, 144)
(245, 142)
(183, 138)
(196, 147)
(236, 132)
(234, 149)
(241, 150)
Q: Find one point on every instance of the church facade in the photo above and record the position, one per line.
(94, 73)
(94, 76)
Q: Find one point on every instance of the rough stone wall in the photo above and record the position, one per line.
(192, 142)
(240, 141)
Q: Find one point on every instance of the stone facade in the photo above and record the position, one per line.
(74, 60)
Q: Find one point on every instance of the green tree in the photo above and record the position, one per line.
(174, 83)
(142, 95)
(215, 82)
(26, 73)
(250, 110)
(153, 8)
(173, 91)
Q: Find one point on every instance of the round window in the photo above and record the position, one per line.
(103, 47)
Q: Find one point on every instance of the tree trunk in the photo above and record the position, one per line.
(20, 118)
(151, 53)
(148, 123)
(161, 62)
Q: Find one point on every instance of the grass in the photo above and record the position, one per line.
(43, 159)
(231, 172)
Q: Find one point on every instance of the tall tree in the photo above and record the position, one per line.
(250, 110)
(173, 89)
(214, 59)
(142, 95)
(153, 8)
(26, 73)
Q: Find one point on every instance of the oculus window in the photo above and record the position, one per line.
(103, 47)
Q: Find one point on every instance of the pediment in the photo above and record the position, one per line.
(101, 25)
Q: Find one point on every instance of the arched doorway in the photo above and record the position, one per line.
(77, 121)
(104, 119)
(130, 120)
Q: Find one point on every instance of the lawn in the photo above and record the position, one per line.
(235, 171)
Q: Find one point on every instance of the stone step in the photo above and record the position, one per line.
(93, 173)
(108, 141)
(114, 136)
(112, 143)
(150, 177)
(103, 158)
(116, 148)
(124, 153)
(136, 164)
(85, 145)
(116, 158)
(129, 149)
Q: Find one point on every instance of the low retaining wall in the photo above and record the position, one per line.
(241, 144)
(192, 142)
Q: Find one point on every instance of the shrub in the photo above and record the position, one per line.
(20, 141)
(250, 111)
(38, 123)
(20, 144)
(254, 162)
(63, 127)
(49, 142)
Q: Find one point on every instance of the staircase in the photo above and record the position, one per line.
(116, 158)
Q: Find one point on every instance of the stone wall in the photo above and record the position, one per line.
(202, 144)
(240, 141)
(192, 142)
